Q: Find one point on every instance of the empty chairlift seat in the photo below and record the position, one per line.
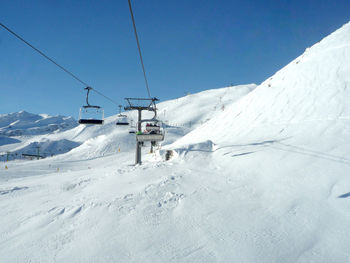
(122, 120)
(91, 115)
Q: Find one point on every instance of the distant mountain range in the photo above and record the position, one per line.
(25, 123)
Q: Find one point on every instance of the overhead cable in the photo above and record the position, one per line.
(139, 48)
(45, 56)
(111, 100)
(55, 63)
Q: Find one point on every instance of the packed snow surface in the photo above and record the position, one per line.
(257, 174)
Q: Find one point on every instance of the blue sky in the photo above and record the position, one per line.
(188, 46)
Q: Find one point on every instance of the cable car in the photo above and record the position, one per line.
(90, 114)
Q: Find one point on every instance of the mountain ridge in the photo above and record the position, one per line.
(25, 123)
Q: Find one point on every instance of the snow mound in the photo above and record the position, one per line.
(206, 146)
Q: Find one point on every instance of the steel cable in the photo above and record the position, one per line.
(139, 48)
(55, 63)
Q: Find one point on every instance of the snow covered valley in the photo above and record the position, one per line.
(258, 174)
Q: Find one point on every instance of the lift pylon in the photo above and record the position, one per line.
(141, 104)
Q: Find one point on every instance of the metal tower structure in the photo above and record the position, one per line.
(141, 104)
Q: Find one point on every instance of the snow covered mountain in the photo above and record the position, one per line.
(26, 133)
(25, 123)
(258, 174)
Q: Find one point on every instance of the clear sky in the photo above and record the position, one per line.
(188, 46)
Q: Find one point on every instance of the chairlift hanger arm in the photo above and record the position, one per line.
(87, 99)
(87, 95)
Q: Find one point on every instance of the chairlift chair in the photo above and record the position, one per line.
(90, 114)
(152, 133)
(145, 137)
(121, 118)
(152, 128)
(86, 112)
(132, 127)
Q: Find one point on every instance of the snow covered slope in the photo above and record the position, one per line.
(312, 91)
(196, 109)
(262, 179)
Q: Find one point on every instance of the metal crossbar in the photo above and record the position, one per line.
(141, 104)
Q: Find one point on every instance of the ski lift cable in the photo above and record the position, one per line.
(55, 63)
(139, 48)
(111, 100)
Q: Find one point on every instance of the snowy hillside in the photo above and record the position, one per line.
(203, 106)
(258, 174)
(311, 93)
(96, 141)
(99, 141)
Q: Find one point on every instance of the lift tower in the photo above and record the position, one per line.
(140, 104)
